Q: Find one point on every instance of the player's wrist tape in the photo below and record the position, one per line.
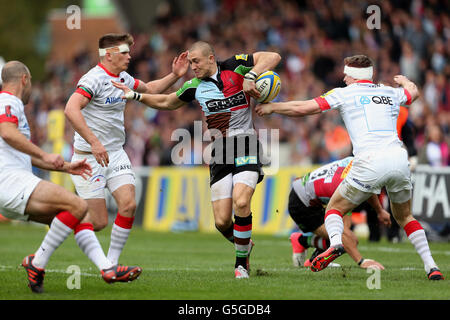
(131, 95)
(251, 76)
(361, 262)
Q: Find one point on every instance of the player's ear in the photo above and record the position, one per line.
(24, 79)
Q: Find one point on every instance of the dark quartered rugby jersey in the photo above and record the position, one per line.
(226, 106)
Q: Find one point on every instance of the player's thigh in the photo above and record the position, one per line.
(244, 184)
(221, 200)
(321, 232)
(49, 199)
(125, 197)
(347, 197)
(308, 219)
(94, 187)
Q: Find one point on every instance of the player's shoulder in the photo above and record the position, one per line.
(241, 59)
(191, 84)
(10, 99)
(94, 73)
(188, 90)
(334, 91)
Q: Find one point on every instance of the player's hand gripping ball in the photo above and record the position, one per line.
(268, 84)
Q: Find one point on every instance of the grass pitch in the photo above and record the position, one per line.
(195, 266)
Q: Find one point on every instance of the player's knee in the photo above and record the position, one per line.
(128, 208)
(222, 224)
(79, 208)
(100, 224)
(241, 203)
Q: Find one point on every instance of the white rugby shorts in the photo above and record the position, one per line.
(373, 170)
(223, 189)
(16, 188)
(119, 172)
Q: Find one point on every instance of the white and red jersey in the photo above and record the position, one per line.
(104, 112)
(369, 111)
(321, 183)
(12, 110)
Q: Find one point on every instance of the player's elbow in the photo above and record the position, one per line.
(276, 58)
(414, 93)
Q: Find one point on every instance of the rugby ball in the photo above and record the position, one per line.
(268, 84)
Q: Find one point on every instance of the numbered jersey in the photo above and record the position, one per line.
(369, 111)
(321, 183)
(12, 110)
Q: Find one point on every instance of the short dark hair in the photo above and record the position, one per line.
(358, 61)
(114, 39)
(13, 71)
(205, 48)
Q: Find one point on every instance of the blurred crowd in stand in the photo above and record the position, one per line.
(313, 37)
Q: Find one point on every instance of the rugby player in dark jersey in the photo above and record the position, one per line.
(223, 90)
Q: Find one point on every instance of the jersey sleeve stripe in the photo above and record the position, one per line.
(84, 92)
(408, 97)
(136, 84)
(239, 108)
(11, 118)
(323, 103)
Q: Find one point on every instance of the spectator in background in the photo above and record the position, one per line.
(437, 151)
(414, 39)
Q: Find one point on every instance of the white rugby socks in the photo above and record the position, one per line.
(60, 228)
(417, 236)
(89, 244)
(119, 236)
(335, 227)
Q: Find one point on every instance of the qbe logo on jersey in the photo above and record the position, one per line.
(373, 107)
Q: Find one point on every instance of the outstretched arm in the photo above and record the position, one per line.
(12, 136)
(156, 101)
(180, 65)
(80, 168)
(289, 108)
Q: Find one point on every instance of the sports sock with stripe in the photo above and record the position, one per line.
(335, 226)
(314, 241)
(242, 235)
(89, 244)
(418, 238)
(119, 235)
(60, 228)
(228, 233)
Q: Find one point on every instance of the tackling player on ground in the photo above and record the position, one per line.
(307, 199)
(370, 113)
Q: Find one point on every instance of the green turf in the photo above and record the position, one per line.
(198, 266)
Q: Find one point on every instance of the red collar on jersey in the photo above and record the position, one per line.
(107, 71)
(364, 81)
(6, 92)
